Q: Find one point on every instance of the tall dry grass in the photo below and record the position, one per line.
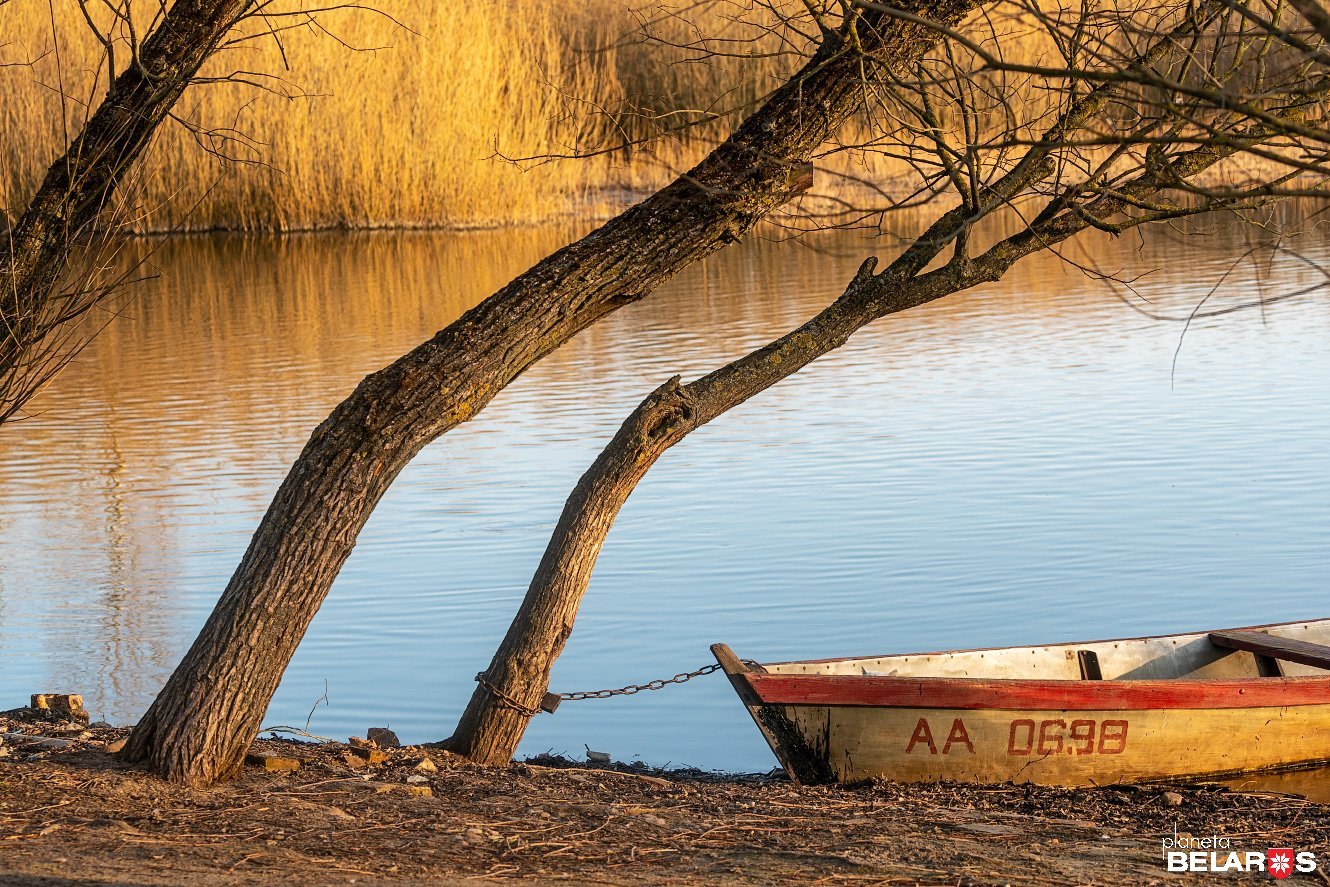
(405, 118)
(388, 124)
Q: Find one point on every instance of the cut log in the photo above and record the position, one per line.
(61, 706)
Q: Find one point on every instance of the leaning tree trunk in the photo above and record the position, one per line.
(510, 691)
(198, 728)
(79, 184)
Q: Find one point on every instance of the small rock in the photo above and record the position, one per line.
(273, 763)
(654, 820)
(115, 746)
(322, 810)
(1173, 799)
(382, 737)
(597, 757)
(116, 824)
(356, 742)
(417, 790)
(39, 742)
(99, 725)
(427, 766)
(988, 828)
(83, 736)
(370, 755)
(416, 779)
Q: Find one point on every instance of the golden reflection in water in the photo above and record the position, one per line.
(218, 368)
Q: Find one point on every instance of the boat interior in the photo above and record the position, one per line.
(1291, 649)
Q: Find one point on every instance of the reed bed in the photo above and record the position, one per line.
(411, 115)
(398, 119)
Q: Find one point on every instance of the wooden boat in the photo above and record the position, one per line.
(1210, 704)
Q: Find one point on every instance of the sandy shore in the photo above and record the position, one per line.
(75, 815)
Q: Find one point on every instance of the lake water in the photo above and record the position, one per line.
(1023, 463)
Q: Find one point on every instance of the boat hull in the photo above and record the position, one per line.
(1099, 713)
(1051, 747)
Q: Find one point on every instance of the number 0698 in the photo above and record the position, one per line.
(1057, 736)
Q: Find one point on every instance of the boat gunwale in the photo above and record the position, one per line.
(1037, 694)
(1148, 637)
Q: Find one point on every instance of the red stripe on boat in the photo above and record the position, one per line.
(976, 693)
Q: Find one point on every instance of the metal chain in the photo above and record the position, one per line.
(682, 677)
(504, 699)
(658, 684)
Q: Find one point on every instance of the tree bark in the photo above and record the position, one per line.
(198, 728)
(499, 710)
(79, 184)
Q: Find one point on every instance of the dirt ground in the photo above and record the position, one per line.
(75, 815)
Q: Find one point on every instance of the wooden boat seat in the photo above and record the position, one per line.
(1262, 644)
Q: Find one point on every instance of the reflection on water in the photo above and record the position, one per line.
(1017, 464)
(1314, 784)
